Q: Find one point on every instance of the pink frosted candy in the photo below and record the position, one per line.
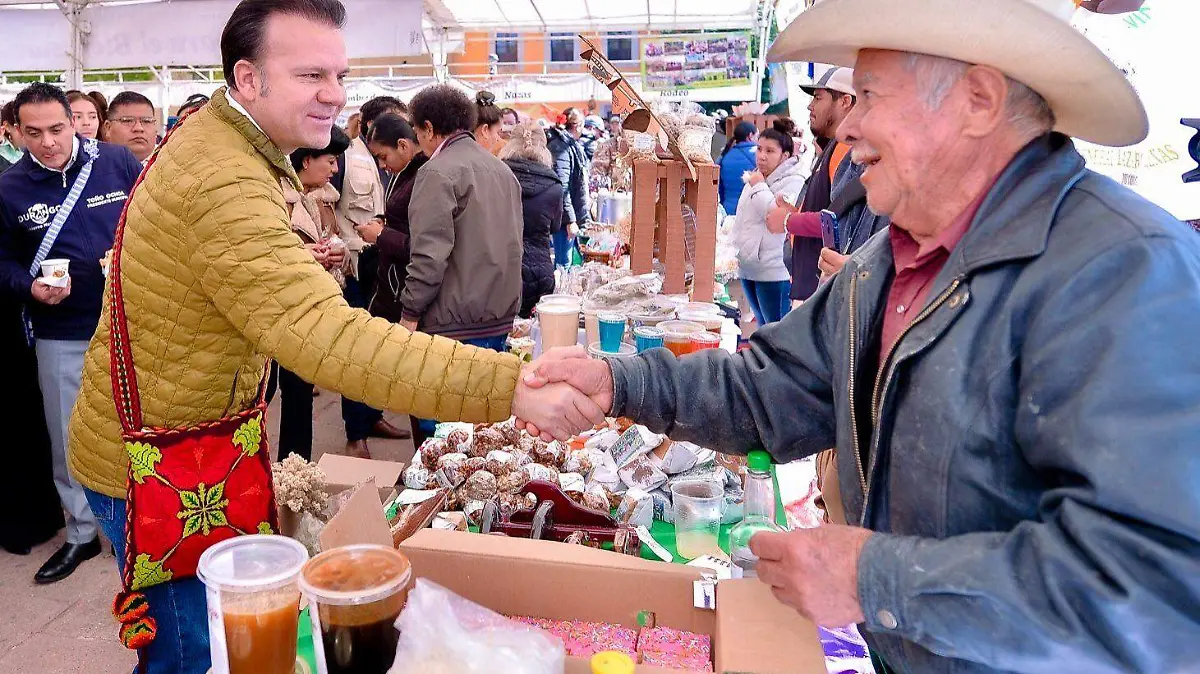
(677, 649)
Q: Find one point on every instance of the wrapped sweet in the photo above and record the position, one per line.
(480, 486)
(643, 474)
(473, 465)
(675, 649)
(595, 501)
(432, 451)
(450, 475)
(474, 511)
(674, 457)
(417, 476)
(521, 459)
(511, 483)
(499, 462)
(664, 509)
(452, 459)
(636, 508)
(577, 461)
(537, 471)
(512, 434)
(549, 454)
(459, 440)
(486, 440)
(510, 503)
(571, 482)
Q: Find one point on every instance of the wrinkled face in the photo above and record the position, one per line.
(427, 139)
(87, 119)
(48, 132)
(134, 126)
(770, 156)
(897, 137)
(296, 90)
(394, 158)
(318, 171)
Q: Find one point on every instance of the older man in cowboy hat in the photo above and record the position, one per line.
(1009, 374)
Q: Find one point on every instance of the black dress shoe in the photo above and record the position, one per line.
(64, 562)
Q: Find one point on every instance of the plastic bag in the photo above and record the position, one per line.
(442, 633)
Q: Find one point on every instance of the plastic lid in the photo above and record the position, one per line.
(612, 662)
(560, 298)
(706, 338)
(759, 461)
(251, 563)
(626, 351)
(680, 327)
(610, 317)
(355, 574)
(648, 331)
(558, 308)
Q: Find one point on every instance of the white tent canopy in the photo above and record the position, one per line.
(592, 15)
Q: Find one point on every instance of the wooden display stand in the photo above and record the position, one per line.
(660, 222)
(760, 122)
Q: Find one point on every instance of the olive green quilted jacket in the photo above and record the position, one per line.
(216, 282)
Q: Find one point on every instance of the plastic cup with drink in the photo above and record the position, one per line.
(647, 337)
(559, 322)
(677, 335)
(355, 594)
(698, 505)
(253, 603)
(56, 273)
(612, 331)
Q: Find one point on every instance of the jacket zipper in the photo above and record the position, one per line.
(862, 476)
(881, 385)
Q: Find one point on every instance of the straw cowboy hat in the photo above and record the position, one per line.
(1031, 41)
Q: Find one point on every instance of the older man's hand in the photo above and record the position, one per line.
(569, 366)
(778, 216)
(831, 261)
(554, 410)
(814, 571)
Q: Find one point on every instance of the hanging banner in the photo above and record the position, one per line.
(682, 62)
(1149, 45)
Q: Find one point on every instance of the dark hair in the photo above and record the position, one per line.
(8, 114)
(339, 142)
(486, 111)
(100, 101)
(40, 92)
(786, 126)
(246, 31)
(128, 98)
(389, 129)
(444, 107)
(743, 131)
(510, 111)
(379, 105)
(193, 102)
(784, 140)
(568, 114)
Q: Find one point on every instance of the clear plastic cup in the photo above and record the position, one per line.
(711, 322)
(253, 603)
(697, 505)
(591, 324)
(704, 340)
(559, 321)
(355, 594)
(676, 335)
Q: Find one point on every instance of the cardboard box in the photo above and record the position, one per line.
(360, 521)
(751, 631)
(344, 472)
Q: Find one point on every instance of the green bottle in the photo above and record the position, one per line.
(759, 515)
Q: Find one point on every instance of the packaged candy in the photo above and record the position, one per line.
(481, 486)
(631, 445)
(571, 482)
(548, 454)
(450, 476)
(512, 435)
(643, 474)
(675, 649)
(604, 472)
(417, 476)
(595, 501)
(473, 510)
(578, 461)
(674, 457)
(636, 508)
(433, 450)
(664, 510)
(486, 440)
(473, 465)
(459, 440)
(537, 471)
(500, 462)
(452, 459)
(512, 482)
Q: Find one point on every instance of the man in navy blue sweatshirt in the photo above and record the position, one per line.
(61, 201)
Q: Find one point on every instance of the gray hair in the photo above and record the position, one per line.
(1028, 112)
(528, 142)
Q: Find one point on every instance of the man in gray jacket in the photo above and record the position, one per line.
(1009, 373)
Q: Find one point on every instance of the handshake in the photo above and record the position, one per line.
(563, 393)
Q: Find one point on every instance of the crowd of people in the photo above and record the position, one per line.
(990, 372)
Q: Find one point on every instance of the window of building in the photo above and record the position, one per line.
(507, 47)
(563, 48)
(620, 47)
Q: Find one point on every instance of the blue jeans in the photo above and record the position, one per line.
(426, 427)
(769, 300)
(179, 607)
(360, 419)
(563, 245)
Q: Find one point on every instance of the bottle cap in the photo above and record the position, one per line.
(759, 461)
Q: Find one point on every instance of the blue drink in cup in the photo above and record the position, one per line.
(647, 337)
(612, 331)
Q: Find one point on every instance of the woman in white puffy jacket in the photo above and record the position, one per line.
(764, 273)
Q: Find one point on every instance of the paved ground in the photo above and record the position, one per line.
(66, 628)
